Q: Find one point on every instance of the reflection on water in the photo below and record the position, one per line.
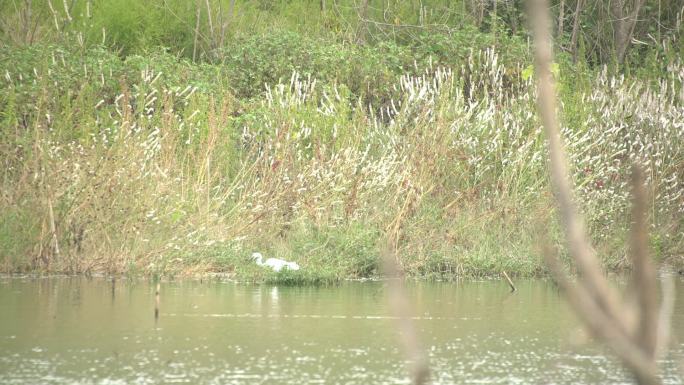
(65, 331)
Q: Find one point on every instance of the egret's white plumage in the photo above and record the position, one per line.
(274, 263)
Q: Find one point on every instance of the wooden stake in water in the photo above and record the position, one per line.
(156, 302)
(508, 279)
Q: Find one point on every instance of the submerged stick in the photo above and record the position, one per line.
(508, 279)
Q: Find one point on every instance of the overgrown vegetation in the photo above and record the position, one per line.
(179, 147)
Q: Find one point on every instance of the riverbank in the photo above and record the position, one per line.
(151, 164)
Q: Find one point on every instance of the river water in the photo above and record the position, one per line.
(88, 331)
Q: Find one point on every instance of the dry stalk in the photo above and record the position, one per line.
(54, 15)
(210, 21)
(575, 29)
(592, 297)
(53, 228)
(197, 26)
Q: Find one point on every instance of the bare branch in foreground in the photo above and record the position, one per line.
(665, 316)
(584, 304)
(401, 309)
(578, 242)
(644, 277)
(398, 298)
(592, 298)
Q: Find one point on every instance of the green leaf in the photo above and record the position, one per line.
(528, 72)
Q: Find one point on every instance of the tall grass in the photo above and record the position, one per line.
(114, 165)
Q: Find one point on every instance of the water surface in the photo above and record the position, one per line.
(80, 331)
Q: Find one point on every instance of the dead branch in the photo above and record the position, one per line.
(401, 309)
(578, 242)
(644, 276)
(398, 299)
(592, 298)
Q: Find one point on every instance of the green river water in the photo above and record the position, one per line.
(88, 331)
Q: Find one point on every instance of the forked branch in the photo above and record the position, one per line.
(592, 298)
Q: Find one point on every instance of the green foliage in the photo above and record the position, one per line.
(298, 140)
(528, 72)
(259, 60)
(19, 232)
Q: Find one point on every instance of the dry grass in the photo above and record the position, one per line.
(156, 177)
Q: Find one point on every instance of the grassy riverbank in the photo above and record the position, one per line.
(310, 149)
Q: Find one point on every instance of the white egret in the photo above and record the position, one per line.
(274, 263)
